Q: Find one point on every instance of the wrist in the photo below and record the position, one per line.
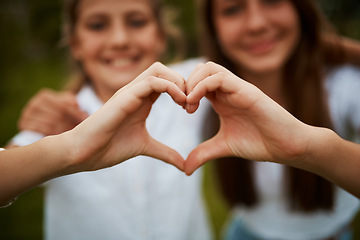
(71, 155)
(58, 151)
(322, 141)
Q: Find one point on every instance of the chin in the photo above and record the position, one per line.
(117, 83)
(268, 66)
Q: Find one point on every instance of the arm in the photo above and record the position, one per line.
(333, 158)
(113, 134)
(255, 127)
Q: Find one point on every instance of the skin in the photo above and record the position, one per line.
(47, 109)
(113, 134)
(253, 126)
(239, 105)
(258, 36)
(115, 41)
(252, 112)
(45, 112)
(117, 132)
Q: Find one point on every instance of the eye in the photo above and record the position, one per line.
(232, 9)
(272, 2)
(137, 22)
(96, 25)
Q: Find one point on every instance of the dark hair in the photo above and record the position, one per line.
(306, 100)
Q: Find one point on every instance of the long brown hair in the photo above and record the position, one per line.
(306, 99)
(165, 18)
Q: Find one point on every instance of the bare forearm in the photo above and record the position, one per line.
(23, 168)
(333, 158)
(100, 141)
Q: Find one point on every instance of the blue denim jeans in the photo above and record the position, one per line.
(237, 230)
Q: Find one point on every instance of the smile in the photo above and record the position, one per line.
(261, 47)
(122, 62)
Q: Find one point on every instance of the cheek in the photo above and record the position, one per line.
(289, 19)
(86, 48)
(153, 44)
(293, 34)
(228, 32)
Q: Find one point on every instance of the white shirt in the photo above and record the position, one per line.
(142, 198)
(271, 219)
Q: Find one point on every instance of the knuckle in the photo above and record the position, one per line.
(45, 92)
(151, 79)
(199, 65)
(221, 75)
(157, 66)
(210, 64)
(31, 106)
(68, 95)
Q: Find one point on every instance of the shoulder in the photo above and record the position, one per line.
(346, 77)
(343, 73)
(88, 100)
(184, 68)
(343, 87)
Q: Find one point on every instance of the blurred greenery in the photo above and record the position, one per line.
(31, 59)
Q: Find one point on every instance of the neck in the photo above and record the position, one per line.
(103, 93)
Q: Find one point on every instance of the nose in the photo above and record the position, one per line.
(118, 35)
(256, 17)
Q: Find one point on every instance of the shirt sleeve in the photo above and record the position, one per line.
(26, 137)
(344, 99)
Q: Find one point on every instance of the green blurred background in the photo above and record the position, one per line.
(30, 58)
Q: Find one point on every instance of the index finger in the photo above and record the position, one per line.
(159, 70)
(201, 72)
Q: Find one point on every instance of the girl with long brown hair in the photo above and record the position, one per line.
(268, 75)
(278, 46)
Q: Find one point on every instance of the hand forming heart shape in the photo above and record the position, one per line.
(249, 120)
(252, 126)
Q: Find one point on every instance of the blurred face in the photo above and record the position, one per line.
(116, 40)
(257, 35)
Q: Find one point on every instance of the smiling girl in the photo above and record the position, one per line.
(277, 46)
(264, 42)
(113, 41)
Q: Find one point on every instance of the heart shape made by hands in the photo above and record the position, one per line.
(250, 121)
(252, 125)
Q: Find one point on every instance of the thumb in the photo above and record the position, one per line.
(206, 151)
(162, 152)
